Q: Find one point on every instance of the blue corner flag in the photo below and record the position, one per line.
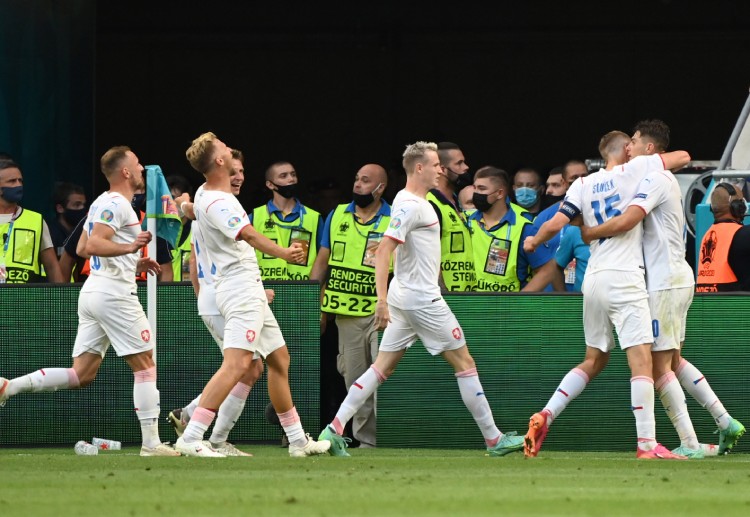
(168, 222)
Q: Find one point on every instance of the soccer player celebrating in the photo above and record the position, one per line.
(108, 310)
(614, 291)
(415, 308)
(250, 326)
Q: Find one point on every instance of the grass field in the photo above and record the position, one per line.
(413, 482)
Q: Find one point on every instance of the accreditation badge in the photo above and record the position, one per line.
(570, 272)
(3, 271)
(497, 257)
(373, 241)
(303, 237)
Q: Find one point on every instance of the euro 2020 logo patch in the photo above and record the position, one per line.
(250, 336)
(233, 222)
(107, 216)
(395, 223)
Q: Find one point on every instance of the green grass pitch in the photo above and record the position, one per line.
(409, 482)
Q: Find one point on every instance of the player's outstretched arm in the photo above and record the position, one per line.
(100, 244)
(675, 160)
(294, 254)
(614, 226)
(548, 230)
(382, 267)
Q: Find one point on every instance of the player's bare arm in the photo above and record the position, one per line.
(548, 230)
(614, 226)
(382, 265)
(294, 254)
(675, 160)
(100, 243)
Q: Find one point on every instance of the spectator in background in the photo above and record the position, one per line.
(572, 255)
(498, 229)
(285, 220)
(466, 200)
(179, 185)
(325, 195)
(527, 191)
(350, 239)
(457, 258)
(555, 187)
(70, 209)
(27, 250)
(574, 169)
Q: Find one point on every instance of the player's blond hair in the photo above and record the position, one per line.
(609, 144)
(112, 160)
(200, 154)
(415, 153)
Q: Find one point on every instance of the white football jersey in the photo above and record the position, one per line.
(220, 219)
(663, 232)
(414, 224)
(206, 272)
(606, 194)
(113, 274)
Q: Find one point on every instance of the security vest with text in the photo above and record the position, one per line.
(350, 289)
(496, 253)
(456, 257)
(303, 230)
(181, 256)
(714, 273)
(22, 239)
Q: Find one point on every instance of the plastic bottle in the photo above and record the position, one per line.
(106, 445)
(83, 448)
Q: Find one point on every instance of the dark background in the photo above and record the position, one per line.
(331, 86)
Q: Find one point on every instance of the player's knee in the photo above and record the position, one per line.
(85, 378)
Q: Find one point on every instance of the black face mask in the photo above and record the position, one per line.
(364, 200)
(74, 216)
(464, 180)
(286, 191)
(480, 201)
(549, 199)
(138, 201)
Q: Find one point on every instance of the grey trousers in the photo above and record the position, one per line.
(358, 348)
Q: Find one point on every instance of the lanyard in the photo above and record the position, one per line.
(374, 225)
(301, 220)
(481, 225)
(7, 238)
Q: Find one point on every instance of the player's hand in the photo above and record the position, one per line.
(586, 234)
(140, 241)
(270, 295)
(188, 210)
(382, 316)
(529, 246)
(147, 265)
(296, 254)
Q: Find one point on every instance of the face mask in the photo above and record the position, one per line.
(480, 201)
(464, 180)
(138, 201)
(526, 197)
(550, 200)
(74, 216)
(364, 200)
(12, 194)
(286, 191)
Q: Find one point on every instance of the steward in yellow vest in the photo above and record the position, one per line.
(181, 254)
(285, 220)
(498, 229)
(26, 250)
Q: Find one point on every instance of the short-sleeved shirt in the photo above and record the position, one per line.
(206, 271)
(659, 196)
(606, 194)
(414, 225)
(113, 274)
(221, 218)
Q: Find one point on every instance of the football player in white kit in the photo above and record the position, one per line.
(108, 308)
(250, 326)
(670, 284)
(614, 291)
(203, 281)
(413, 308)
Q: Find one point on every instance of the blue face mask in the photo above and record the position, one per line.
(526, 196)
(12, 194)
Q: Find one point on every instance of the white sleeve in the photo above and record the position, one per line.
(640, 166)
(652, 191)
(404, 217)
(46, 237)
(227, 217)
(571, 205)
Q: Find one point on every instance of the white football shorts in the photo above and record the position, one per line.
(435, 325)
(669, 309)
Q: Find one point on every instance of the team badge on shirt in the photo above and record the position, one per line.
(107, 216)
(145, 336)
(456, 333)
(395, 223)
(250, 336)
(233, 222)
